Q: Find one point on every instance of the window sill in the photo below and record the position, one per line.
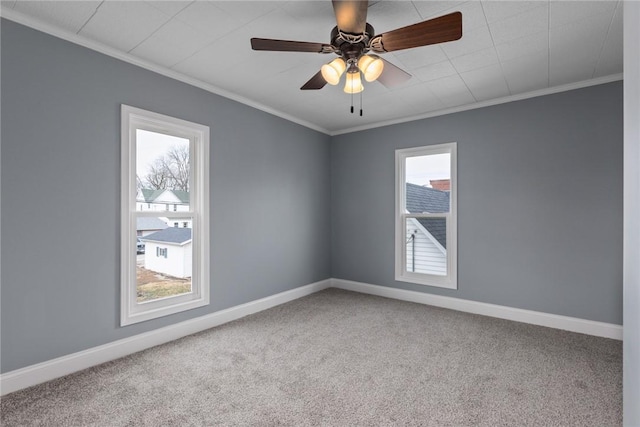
(149, 314)
(428, 280)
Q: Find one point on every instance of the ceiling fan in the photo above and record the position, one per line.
(353, 39)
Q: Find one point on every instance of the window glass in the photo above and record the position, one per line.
(426, 215)
(428, 180)
(165, 181)
(163, 171)
(164, 266)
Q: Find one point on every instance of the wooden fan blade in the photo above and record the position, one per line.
(351, 15)
(438, 30)
(392, 75)
(289, 46)
(316, 82)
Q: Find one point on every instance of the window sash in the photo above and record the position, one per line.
(427, 215)
(198, 136)
(401, 273)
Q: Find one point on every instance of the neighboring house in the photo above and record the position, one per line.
(148, 199)
(427, 238)
(148, 225)
(169, 251)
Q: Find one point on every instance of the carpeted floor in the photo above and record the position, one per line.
(339, 358)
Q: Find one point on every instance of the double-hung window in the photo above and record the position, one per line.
(163, 158)
(426, 224)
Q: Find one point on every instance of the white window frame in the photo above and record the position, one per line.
(449, 281)
(133, 119)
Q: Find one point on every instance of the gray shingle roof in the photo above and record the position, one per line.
(170, 235)
(150, 223)
(438, 229)
(424, 199)
(149, 194)
(182, 195)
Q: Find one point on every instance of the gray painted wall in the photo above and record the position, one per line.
(539, 202)
(270, 196)
(540, 198)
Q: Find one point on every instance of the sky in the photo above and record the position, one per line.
(420, 169)
(150, 146)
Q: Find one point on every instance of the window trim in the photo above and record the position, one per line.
(450, 281)
(133, 118)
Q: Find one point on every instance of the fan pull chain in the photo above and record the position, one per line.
(351, 101)
(360, 103)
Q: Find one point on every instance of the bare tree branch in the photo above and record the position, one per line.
(170, 171)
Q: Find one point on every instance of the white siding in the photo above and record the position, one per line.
(161, 207)
(167, 197)
(171, 222)
(187, 260)
(430, 257)
(177, 263)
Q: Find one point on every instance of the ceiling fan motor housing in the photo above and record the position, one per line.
(351, 46)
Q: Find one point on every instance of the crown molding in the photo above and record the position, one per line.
(36, 24)
(497, 101)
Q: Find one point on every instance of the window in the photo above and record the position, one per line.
(160, 155)
(426, 224)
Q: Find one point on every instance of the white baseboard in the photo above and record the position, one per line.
(65, 365)
(573, 324)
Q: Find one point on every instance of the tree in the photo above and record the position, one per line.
(169, 171)
(139, 184)
(177, 165)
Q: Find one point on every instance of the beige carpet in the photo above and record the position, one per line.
(338, 358)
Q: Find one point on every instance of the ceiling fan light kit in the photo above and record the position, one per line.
(353, 83)
(371, 66)
(352, 40)
(332, 71)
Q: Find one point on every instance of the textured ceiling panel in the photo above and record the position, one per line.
(69, 15)
(499, 10)
(528, 73)
(478, 59)
(124, 25)
(172, 43)
(610, 61)
(529, 22)
(486, 83)
(507, 48)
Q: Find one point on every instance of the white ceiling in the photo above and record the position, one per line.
(508, 48)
